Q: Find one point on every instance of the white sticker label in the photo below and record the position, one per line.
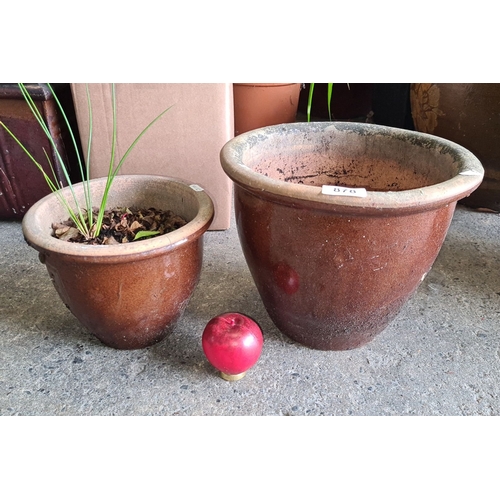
(343, 191)
(195, 187)
(469, 172)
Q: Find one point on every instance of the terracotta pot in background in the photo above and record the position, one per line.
(261, 104)
(128, 295)
(468, 114)
(334, 270)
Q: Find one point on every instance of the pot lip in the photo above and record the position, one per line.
(467, 179)
(41, 239)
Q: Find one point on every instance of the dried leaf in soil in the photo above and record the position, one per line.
(120, 225)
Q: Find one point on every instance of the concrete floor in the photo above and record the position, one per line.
(440, 356)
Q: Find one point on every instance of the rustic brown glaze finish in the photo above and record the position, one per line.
(468, 114)
(304, 262)
(333, 271)
(128, 295)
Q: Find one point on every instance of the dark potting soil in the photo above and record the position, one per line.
(122, 225)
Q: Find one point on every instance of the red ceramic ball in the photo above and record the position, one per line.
(232, 343)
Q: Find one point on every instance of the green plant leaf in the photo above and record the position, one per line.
(330, 91)
(145, 234)
(309, 101)
(329, 99)
(83, 218)
(113, 172)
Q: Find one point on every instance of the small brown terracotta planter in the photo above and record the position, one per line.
(128, 295)
(334, 270)
(261, 104)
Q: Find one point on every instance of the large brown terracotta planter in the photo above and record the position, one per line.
(128, 295)
(334, 270)
(469, 114)
(261, 104)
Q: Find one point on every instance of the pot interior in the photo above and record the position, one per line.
(154, 192)
(141, 191)
(374, 161)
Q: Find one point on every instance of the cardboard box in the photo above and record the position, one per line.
(185, 143)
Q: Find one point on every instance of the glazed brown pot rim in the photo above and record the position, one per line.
(41, 238)
(469, 174)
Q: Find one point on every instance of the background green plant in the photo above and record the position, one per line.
(329, 100)
(310, 98)
(82, 216)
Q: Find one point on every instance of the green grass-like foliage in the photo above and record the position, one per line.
(310, 98)
(82, 216)
(329, 102)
